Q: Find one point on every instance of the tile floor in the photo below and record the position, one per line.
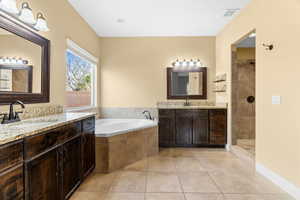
(182, 174)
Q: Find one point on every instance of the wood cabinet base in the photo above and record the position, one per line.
(193, 128)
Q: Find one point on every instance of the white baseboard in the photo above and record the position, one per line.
(228, 146)
(284, 184)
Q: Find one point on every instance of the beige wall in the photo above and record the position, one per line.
(245, 53)
(133, 70)
(277, 73)
(64, 23)
(13, 46)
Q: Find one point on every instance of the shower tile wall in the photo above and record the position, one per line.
(243, 80)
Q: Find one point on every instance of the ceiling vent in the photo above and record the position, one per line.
(231, 12)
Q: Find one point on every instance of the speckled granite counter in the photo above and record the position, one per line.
(181, 106)
(19, 130)
(193, 105)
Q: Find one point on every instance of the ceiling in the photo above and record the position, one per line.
(134, 18)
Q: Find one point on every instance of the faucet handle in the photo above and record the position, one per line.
(17, 117)
(4, 118)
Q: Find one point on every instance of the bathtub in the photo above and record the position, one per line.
(121, 142)
(113, 127)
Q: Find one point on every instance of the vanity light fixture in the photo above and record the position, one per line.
(41, 23)
(9, 6)
(26, 14)
(13, 61)
(187, 65)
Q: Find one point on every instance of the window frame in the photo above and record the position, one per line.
(76, 50)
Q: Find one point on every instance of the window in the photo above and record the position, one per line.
(81, 76)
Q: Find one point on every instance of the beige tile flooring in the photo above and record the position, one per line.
(182, 174)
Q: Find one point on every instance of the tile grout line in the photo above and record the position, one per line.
(215, 183)
(180, 183)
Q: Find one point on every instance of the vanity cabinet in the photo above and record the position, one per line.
(192, 127)
(71, 162)
(50, 165)
(88, 147)
(218, 126)
(166, 127)
(43, 176)
(11, 184)
(11, 171)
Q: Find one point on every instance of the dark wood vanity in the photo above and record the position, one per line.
(192, 127)
(49, 165)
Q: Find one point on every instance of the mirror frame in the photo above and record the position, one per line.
(29, 98)
(169, 85)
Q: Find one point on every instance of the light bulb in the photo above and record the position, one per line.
(20, 61)
(26, 14)
(191, 63)
(9, 6)
(184, 63)
(198, 64)
(13, 61)
(41, 23)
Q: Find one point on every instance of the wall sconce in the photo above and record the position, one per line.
(269, 47)
(13, 61)
(187, 65)
(9, 6)
(25, 15)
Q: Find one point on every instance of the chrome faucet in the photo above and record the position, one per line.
(148, 115)
(12, 116)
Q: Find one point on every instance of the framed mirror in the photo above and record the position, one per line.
(24, 64)
(190, 84)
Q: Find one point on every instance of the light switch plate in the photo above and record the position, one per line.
(276, 100)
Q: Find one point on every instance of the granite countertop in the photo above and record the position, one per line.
(19, 130)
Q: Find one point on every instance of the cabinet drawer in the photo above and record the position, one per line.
(11, 184)
(203, 114)
(88, 124)
(11, 154)
(37, 144)
(166, 113)
(70, 131)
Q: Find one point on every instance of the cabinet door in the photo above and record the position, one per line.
(166, 127)
(42, 177)
(184, 127)
(71, 166)
(11, 184)
(200, 128)
(218, 127)
(88, 152)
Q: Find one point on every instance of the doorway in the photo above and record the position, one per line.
(243, 93)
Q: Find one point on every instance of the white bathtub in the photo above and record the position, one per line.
(112, 127)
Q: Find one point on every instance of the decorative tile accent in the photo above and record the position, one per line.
(41, 111)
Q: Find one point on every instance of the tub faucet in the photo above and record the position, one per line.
(148, 115)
